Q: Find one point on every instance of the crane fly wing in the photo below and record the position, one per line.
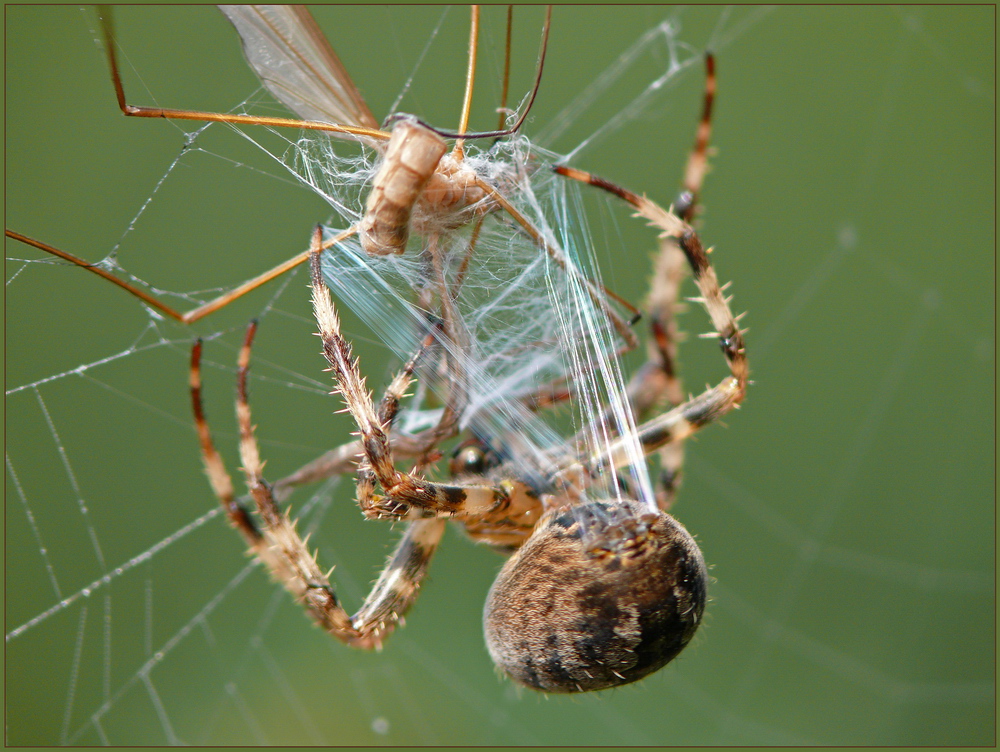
(293, 59)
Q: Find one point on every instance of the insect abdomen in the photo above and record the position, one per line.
(410, 160)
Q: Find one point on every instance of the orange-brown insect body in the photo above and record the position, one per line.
(417, 186)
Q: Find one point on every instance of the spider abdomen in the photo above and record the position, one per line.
(575, 610)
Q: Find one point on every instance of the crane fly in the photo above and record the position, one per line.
(295, 62)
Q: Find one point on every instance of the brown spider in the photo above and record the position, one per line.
(599, 591)
(602, 586)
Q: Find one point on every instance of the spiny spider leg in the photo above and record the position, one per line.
(405, 496)
(386, 413)
(276, 542)
(657, 382)
(678, 238)
(669, 270)
(349, 457)
(716, 401)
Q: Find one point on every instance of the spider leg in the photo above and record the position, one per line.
(714, 402)
(405, 495)
(398, 584)
(338, 461)
(386, 413)
(276, 542)
(686, 205)
(346, 457)
(448, 370)
(657, 382)
(218, 478)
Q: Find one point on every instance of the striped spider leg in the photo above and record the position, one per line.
(657, 382)
(691, 415)
(405, 495)
(661, 305)
(274, 540)
(272, 535)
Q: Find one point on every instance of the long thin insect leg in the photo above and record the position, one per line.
(458, 151)
(129, 110)
(461, 135)
(505, 78)
(195, 313)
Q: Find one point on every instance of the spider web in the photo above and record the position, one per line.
(847, 510)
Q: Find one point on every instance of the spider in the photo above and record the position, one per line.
(602, 586)
(599, 590)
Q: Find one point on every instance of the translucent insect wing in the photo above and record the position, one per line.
(293, 59)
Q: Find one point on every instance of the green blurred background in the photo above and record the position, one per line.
(847, 511)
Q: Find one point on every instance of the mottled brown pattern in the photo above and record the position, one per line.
(576, 610)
